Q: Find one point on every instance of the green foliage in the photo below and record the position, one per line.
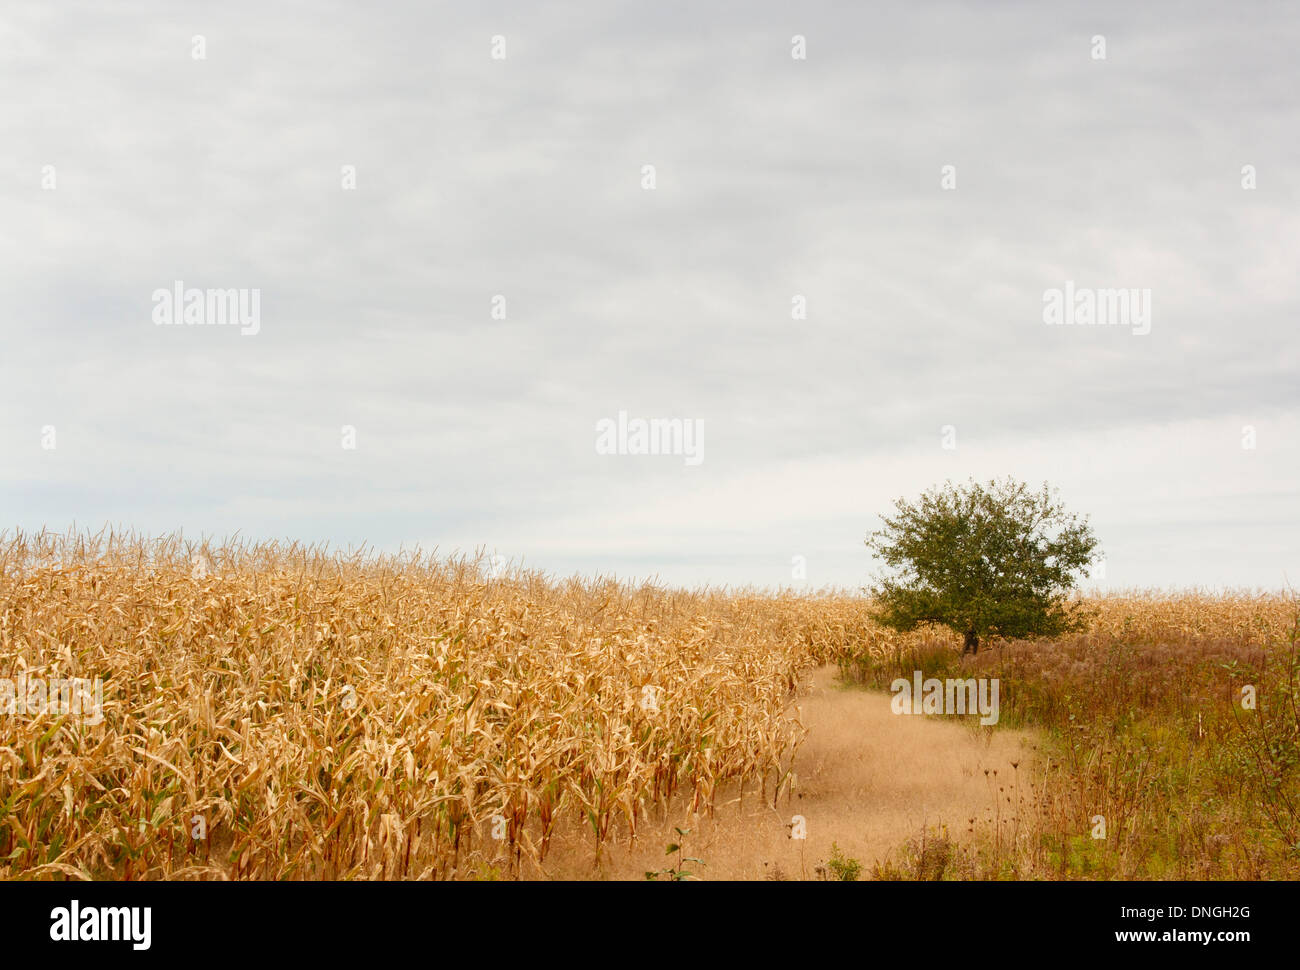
(996, 560)
(843, 868)
(675, 873)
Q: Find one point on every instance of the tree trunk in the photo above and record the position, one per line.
(972, 643)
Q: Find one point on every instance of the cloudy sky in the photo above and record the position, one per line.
(167, 141)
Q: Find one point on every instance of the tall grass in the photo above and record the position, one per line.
(1145, 727)
(321, 715)
(274, 711)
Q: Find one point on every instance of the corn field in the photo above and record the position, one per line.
(280, 712)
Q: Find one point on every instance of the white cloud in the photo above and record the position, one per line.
(776, 177)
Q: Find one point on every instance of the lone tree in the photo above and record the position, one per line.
(995, 560)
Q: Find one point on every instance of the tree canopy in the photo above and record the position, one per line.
(995, 560)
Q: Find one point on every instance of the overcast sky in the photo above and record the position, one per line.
(129, 163)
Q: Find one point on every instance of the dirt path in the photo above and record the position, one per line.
(867, 779)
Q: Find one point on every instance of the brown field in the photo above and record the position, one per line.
(333, 716)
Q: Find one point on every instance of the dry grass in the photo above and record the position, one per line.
(1145, 727)
(335, 717)
(866, 780)
(355, 716)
